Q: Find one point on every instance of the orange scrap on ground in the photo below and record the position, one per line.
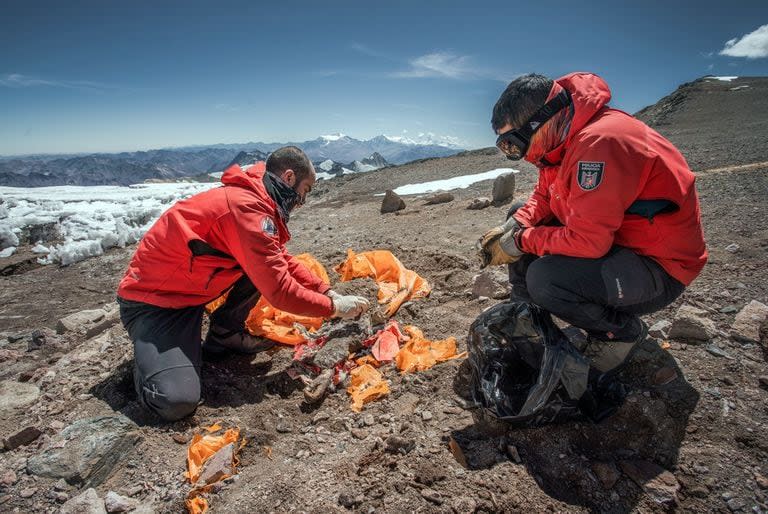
(366, 385)
(201, 448)
(267, 321)
(419, 353)
(396, 283)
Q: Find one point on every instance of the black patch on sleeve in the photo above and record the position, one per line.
(590, 174)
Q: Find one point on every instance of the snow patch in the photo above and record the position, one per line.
(739, 87)
(89, 219)
(724, 79)
(7, 252)
(448, 184)
(326, 165)
(333, 137)
(324, 176)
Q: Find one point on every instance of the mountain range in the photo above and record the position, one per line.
(198, 162)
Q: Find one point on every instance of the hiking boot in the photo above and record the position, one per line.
(609, 357)
(219, 341)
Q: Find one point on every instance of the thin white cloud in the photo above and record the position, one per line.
(438, 64)
(17, 80)
(752, 46)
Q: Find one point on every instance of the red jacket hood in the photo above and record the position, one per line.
(589, 93)
(250, 178)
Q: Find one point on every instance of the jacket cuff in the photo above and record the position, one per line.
(324, 288)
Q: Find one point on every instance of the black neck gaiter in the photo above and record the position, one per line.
(283, 195)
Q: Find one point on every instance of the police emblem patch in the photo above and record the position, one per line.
(590, 174)
(268, 226)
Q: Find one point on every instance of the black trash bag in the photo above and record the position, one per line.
(525, 372)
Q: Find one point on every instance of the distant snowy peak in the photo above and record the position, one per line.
(426, 138)
(333, 137)
(326, 165)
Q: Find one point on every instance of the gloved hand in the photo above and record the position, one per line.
(347, 306)
(500, 244)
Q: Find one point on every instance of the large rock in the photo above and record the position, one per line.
(117, 503)
(392, 202)
(691, 324)
(80, 322)
(746, 326)
(17, 394)
(85, 452)
(503, 188)
(492, 282)
(88, 502)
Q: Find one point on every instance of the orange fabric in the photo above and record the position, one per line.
(267, 321)
(419, 353)
(366, 385)
(396, 283)
(202, 447)
(197, 505)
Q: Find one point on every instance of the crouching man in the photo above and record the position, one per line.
(612, 230)
(230, 238)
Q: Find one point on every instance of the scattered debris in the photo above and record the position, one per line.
(210, 459)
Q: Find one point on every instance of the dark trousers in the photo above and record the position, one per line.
(168, 352)
(603, 296)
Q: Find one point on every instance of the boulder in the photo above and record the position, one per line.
(87, 502)
(17, 394)
(746, 326)
(690, 324)
(80, 322)
(492, 282)
(479, 203)
(117, 503)
(85, 452)
(392, 202)
(503, 188)
(438, 198)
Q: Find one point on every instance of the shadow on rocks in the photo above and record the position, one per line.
(610, 466)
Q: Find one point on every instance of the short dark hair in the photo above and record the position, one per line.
(521, 100)
(290, 158)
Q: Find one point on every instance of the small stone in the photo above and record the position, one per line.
(17, 394)
(514, 454)
(479, 203)
(369, 420)
(763, 380)
(762, 481)
(350, 500)
(219, 466)
(28, 492)
(397, 444)
(134, 490)
(717, 351)
(439, 198)
(79, 322)
(359, 433)
(7, 355)
(728, 380)
(21, 438)
(283, 427)
(426, 415)
(41, 338)
(391, 202)
(699, 491)
(180, 438)
(664, 375)
(746, 326)
(729, 309)
(8, 477)
(492, 282)
(607, 473)
(733, 248)
(60, 497)
(660, 484)
(116, 503)
(87, 502)
(735, 504)
(320, 416)
(431, 495)
(660, 329)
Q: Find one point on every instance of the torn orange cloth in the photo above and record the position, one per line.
(396, 283)
(202, 447)
(197, 505)
(419, 353)
(266, 321)
(366, 385)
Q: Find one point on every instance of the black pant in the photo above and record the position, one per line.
(603, 296)
(167, 348)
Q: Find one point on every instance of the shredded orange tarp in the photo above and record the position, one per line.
(366, 384)
(396, 283)
(267, 321)
(419, 353)
(201, 448)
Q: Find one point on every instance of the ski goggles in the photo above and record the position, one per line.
(514, 142)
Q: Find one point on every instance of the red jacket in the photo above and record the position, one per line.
(608, 161)
(201, 246)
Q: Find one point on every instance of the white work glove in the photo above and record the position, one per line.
(347, 306)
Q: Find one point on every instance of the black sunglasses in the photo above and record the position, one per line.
(514, 142)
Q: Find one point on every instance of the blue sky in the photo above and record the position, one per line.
(111, 76)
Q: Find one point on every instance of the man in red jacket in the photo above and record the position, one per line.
(613, 228)
(230, 238)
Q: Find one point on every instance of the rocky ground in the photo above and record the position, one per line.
(690, 436)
